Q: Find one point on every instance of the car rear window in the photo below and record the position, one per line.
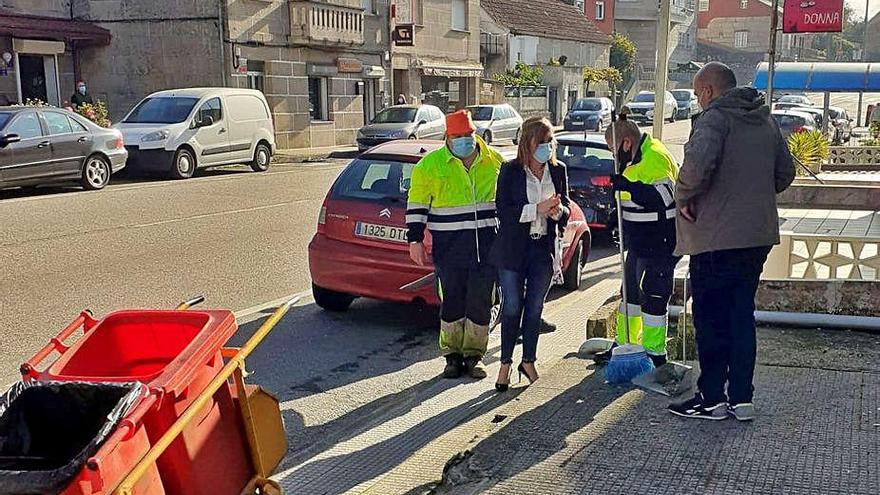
(789, 121)
(374, 180)
(580, 157)
(482, 113)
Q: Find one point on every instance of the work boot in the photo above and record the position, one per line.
(453, 367)
(658, 359)
(546, 327)
(473, 368)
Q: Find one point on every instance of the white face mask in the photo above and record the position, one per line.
(81, 89)
(543, 152)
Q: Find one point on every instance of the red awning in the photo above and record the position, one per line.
(51, 28)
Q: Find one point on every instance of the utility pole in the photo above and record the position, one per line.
(391, 98)
(864, 59)
(661, 68)
(771, 70)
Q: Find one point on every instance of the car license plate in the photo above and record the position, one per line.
(577, 123)
(381, 232)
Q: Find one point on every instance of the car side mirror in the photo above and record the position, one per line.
(8, 139)
(422, 122)
(205, 121)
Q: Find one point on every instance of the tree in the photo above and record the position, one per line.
(623, 53)
(605, 74)
(521, 75)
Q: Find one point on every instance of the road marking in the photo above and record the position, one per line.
(213, 214)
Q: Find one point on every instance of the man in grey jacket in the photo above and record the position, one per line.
(735, 164)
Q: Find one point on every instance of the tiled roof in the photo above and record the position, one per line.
(544, 18)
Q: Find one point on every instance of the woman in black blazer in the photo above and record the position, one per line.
(532, 203)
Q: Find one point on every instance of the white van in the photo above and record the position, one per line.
(180, 130)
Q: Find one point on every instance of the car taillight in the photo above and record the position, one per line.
(120, 143)
(801, 129)
(601, 181)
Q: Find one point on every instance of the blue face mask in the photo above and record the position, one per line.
(463, 147)
(543, 152)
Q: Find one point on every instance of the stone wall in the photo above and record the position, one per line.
(47, 8)
(435, 38)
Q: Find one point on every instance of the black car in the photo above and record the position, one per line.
(590, 166)
(589, 114)
(45, 145)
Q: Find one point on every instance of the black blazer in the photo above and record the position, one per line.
(508, 251)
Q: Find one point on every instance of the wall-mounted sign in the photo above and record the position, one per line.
(350, 65)
(242, 65)
(403, 12)
(812, 16)
(403, 35)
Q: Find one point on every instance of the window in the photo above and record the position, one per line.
(741, 39)
(77, 126)
(600, 11)
(419, 12)
(378, 181)
(743, 4)
(57, 123)
(162, 110)
(368, 6)
(437, 114)
(256, 75)
(581, 157)
(704, 5)
(211, 108)
(318, 101)
(459, 15)
(27, 126)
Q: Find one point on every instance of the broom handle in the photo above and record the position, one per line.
(684, 315)
(620, 234)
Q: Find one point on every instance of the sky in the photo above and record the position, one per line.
(859, 7)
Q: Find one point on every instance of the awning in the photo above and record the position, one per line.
(834, 77)
(50, 28)
(448, 69)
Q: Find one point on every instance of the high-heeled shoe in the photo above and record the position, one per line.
(502, 387)
(521, 369)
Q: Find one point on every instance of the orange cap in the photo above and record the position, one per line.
(458, 123)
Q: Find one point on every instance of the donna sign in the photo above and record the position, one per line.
(812, 16)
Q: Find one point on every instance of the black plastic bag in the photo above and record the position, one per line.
(48, 430)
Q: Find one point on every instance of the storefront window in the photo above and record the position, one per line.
(318, 102)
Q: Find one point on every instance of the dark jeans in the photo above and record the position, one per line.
(724, 285)
(522, 301)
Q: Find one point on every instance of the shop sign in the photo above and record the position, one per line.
(350, 65)
(812, 16)
(403, 35)
(242, 65)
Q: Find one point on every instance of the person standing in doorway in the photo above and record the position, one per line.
(735, 163)
(532, 211)
(401, 99)
(82, 95)
(452, 194)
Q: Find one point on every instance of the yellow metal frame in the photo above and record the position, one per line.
(233, 368)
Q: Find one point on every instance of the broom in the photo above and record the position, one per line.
(629, 360)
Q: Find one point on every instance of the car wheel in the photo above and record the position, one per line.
(412, 137)
(331, 300)
(184, 164)
(487, 136)
(262, 158)
(572, 275)
(672, 118)
(96, 173)
(516, 137)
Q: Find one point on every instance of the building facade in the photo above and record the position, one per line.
(601, 12)
(737, 32)
(442, 67)
(322, 64)
(548, 34)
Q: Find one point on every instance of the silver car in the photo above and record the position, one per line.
(641, 108)
(48, 145)
(402, 122)
(496, 122)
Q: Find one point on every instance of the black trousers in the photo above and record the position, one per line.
(466, 292)
(724, 285)
(649, 281)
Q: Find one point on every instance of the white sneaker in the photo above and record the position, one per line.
(742, 412)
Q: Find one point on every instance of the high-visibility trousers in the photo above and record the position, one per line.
(465, 308)
(649, 281)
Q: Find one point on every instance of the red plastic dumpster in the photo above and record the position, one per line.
(176, 354)
(106, 469)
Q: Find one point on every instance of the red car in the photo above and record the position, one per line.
(360, 248)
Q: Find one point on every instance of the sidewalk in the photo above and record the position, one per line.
(297, 155)
(818, 431)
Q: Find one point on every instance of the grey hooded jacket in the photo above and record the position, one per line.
(735, 164)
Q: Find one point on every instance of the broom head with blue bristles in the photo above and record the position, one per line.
(627, 362)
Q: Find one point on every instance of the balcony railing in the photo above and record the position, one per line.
(339, 23)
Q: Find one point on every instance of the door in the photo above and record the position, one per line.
(70, 146)
(212, 135)
(38, 75)
(31, 158)
(552, 95)
(370, 90)
(501, 124)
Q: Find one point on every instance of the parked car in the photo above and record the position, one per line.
(50, 145)
(798, 99)
(402, 122)
(686, 103)
(789, 106)
(641, 108)
(496, 122)
(792, 121)
(180, 130)
(360, 248)
(842, 124)
(590, 166)
(592, 114)
(819, 115)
